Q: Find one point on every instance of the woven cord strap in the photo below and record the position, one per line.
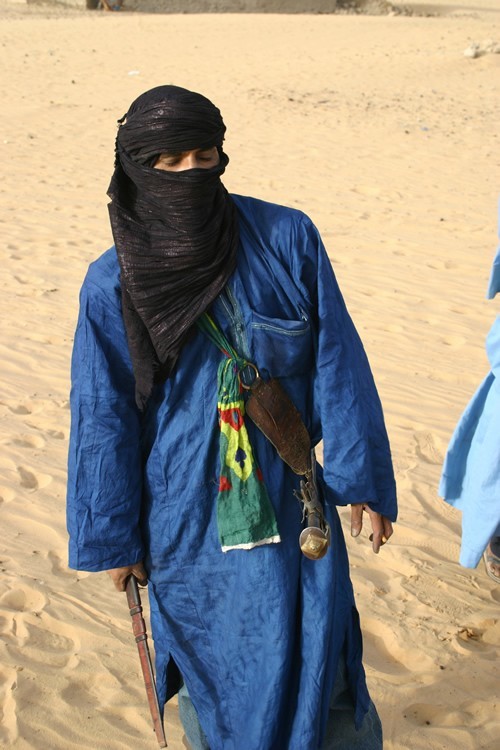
(209, 327)
(245, 515)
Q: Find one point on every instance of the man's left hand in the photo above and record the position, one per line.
(381, 526)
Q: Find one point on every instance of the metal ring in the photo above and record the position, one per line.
(243, 385)
(383, 541)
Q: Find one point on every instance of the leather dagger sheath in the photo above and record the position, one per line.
(141, 638)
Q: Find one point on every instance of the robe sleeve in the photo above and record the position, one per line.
(104, 465)
(347, 410)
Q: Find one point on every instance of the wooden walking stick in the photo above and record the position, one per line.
(141, 638)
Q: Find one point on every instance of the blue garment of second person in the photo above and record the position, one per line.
(471, 473)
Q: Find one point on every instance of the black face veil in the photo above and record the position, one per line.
(176, 233)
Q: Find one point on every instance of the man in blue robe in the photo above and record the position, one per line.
(267, 642)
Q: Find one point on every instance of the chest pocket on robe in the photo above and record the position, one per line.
(282, 347)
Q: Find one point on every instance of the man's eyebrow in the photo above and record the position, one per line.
(175, 154)
(170, 153)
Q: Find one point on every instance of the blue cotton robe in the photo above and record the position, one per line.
(471, 472)
(256, 634)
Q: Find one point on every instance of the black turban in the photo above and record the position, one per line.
(176, 233)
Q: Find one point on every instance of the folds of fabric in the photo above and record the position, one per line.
(245, 515)
(470, 479)
(471, 473)
(257, 634)
(176, 233)
(170, 118)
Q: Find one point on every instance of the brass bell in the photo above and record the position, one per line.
(314, 542)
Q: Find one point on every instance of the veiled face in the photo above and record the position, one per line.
(179, 161)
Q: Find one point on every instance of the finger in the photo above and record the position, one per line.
(388, 530)
(118, 578)
(377, 537)
(356, 519)
(140, 573)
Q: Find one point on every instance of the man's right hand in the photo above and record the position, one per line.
(120, 576)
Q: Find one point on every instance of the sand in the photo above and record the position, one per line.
(387, 135)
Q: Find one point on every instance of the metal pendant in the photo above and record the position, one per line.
(314, 542)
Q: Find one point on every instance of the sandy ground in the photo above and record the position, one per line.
(388, 136)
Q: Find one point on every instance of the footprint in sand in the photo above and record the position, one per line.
(57, 434)
(17, 408)
(23, 599)
(426, 447)
(59, 566)
(35, 282)
(87, 692)
(29, 626)
(467, 714)
(29, 407)
(28, 478)
(29, 441)
(31, 480)
(480, 638)
(386, 653)
(44, 645)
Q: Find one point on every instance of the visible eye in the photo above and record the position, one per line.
(208, 155)
(168, 160)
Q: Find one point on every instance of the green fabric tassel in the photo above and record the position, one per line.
(245, 515)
